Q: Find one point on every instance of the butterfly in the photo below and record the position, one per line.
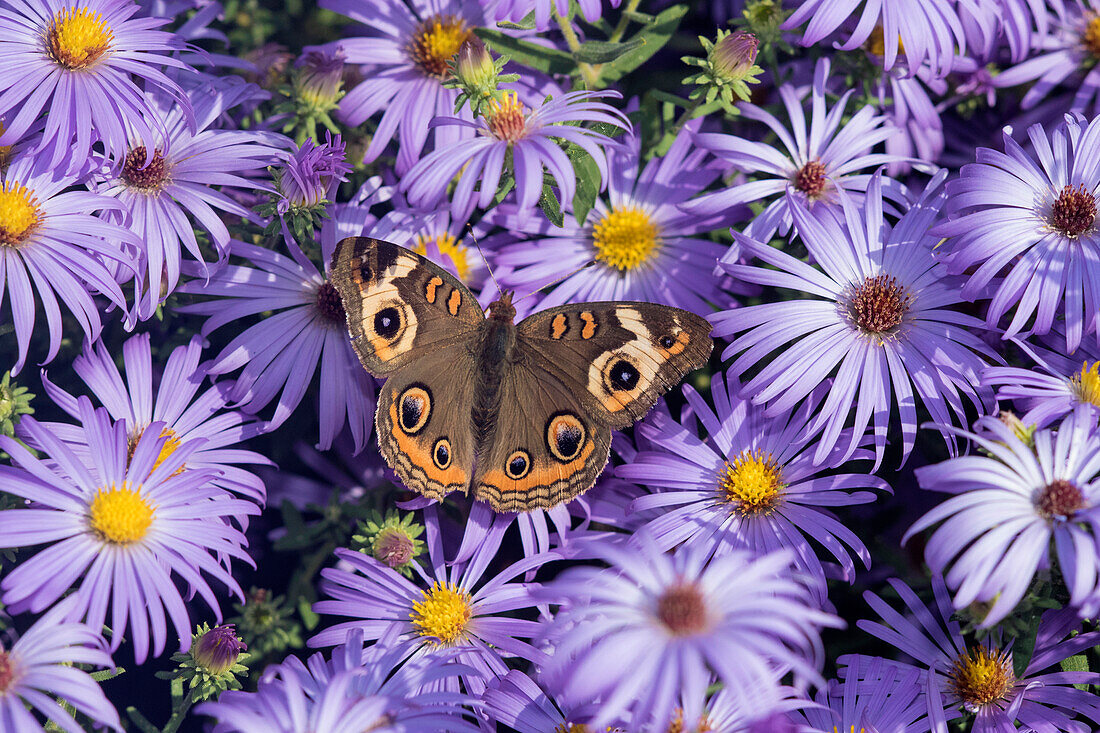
(522, 413)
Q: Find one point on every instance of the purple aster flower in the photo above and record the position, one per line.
(80, 63)
(650, 630)
(1035, 219)
(451, 611)
(752, 484)
(907, 107)
(126, 521)
(926, 32)
(881, 319)
(311, 174)
(307, 326)
(820, 161)
(1010, 504)
(404, 63)
(38, 668)
(186, 415)
(185, 183)
(517, 701)
(517, 10)
(989, 24)
(644, 246)
(217, 649)
(51, 242)
(1054, 389)
(529, 136)
(352, 693)
(979, 677)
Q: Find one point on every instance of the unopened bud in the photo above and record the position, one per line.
(320, 76)
(393, 547)
(217, 650)
(734, 55)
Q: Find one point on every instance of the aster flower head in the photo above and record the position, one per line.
(1034, 217)
(643, 245)
(545, 11)
(820, 162)
(216, 650)
(517, 701)
(120, 525)
(303, 325)
(1010, 504)
(189, 414)
(181, 179)
(881, 320)
(979, 677)
(665, 623)
(38, 668)
(310, 175)
(81, 64)
(530, 136)
(751, 485)
(51, 241)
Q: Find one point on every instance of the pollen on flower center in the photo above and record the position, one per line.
(330, 306)
(448, 247)
(137, 174)
(571, 728)
(442, 613)
(879, 305)
(625, 238)
(676, 725)
(849, 729)
(811, 179)
(19, 214)
(505, 118)
(753, 482)
(1073, 211)
(1091, 37)
(170, 445)
(7, 672)
(1086, 383)
(682, 610)
(1060, 498)
(78, 38)
(120, 515)
(982, 676)
(435, 41)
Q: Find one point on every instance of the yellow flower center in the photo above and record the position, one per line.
(120, 515)
(676, 725)
(442, 613)
(166, 450)
(19, 214)
(753, 482)
(448, 247)
(1091, 36)
(78, 38)
(435, 41)
(571, 728)
(876, 43)
(851, 729)
(1086, 383)
(506, 118)
(982, 676)
(625, 239)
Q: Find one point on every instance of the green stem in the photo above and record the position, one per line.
(588, 71)
(684, 117)
(620, 29)
(181, 704)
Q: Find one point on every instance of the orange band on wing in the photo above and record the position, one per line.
(420, 455)
(682, 339)
(539, 477)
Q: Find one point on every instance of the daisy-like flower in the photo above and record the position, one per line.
(311, 174)
(926, 32)
(979, 677)
(644, 246)
(881, 319)
(650, 630)
(183, 181)
(404, 63)
(122, 525)
(81, 63)
(51, 242)
(356, 691)
(529, 136)
(1010, 505)
(1037, 219)
(515, 700)
(517, 10)
(307, 326)
(37, 670)
(1052, 391)
(176, 403)
(452, 611)
(820, 161)
(752, 484)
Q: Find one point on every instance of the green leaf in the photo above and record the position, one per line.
(106, 674)
(547, 60)
(550, 206)
(309, 618)
(588, 183)
(1023, 648)
(1076, 663)
(655, 37)
(525, 24)
(604, 52)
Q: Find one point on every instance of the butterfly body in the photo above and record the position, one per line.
(521, 414)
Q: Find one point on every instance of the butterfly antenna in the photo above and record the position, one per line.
(482, 253)
(566, 276)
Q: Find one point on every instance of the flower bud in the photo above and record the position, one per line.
(217, 650)
(734, 55)
(311, 174)
(320, 73)
(474, 67)
(393, 547)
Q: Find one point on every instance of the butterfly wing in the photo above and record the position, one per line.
(400, 306)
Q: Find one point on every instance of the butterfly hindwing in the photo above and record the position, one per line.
(400, 306)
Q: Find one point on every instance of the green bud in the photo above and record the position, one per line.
(391, 541)
(734, 56)
(217, 650)
(14, 402)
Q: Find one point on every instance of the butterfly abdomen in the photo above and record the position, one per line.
(498, 339)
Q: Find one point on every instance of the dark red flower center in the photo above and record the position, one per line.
(149, 177)
(7, 671)
(682, 610)
(1060, 498)
(879, 304)
(1074, 211)
(810, 179)
(329, 304)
